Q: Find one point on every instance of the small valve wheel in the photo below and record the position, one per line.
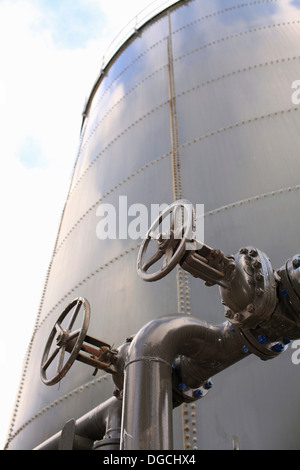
(170, 242)
(63, 339)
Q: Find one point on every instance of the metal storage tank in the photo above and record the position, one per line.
(197, 103)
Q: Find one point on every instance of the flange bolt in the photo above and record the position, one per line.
(253, 252)
(296, 262)
(278, 347)
(262, 339)
(250, 308)
(284, 293)
(182, 387)
(197, 393)
(286, 341)
(208, 384)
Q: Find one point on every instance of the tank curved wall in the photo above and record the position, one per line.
(232, 132)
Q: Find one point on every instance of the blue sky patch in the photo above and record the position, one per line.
(296, 3)
(30, 154)
(72, 23)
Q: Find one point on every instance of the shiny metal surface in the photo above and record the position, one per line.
(149, 368)
(236, 143)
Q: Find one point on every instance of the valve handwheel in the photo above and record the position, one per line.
(170, 244)
(65, 340)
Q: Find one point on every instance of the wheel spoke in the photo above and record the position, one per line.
(74, 315)
(65, 341)
(59, 328)
(168, 255)
(60, 360)
(50, 359)
(73, 334)
(152, 260)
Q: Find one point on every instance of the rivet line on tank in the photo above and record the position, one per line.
(197, 20)
(221, 12)
(128, 67)
(239, 71)
(83, 281)
(182, 279)
(27, 358)
(115, 105)
(234, 36)
(253, 199)
(237, 124)
(110, 191)
(59, 400)
(226, 10)
(107, 147)
(236, 72)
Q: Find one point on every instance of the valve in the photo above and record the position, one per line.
(177, 244)
(246, 280)
(68, 341)
(170, 241)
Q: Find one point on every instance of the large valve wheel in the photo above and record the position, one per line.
(63, 340)
(170, 243)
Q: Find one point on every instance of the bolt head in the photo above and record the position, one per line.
(197, 393)
(296, 262)
(284, 293)
(208, 384)
(257, 264)
(253, 252)
(250, 308)
(262, 339)
(182, 387)
(278, 347)
(228, 313)
(286, 341)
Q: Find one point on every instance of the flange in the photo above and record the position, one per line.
(251, 297)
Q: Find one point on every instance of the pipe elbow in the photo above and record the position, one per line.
(165, 338)
(196, 349)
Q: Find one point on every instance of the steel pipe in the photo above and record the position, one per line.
(94, 425)
(147, 398)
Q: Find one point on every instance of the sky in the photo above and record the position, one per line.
(51, 52)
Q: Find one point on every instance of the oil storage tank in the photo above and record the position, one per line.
(199, 102)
